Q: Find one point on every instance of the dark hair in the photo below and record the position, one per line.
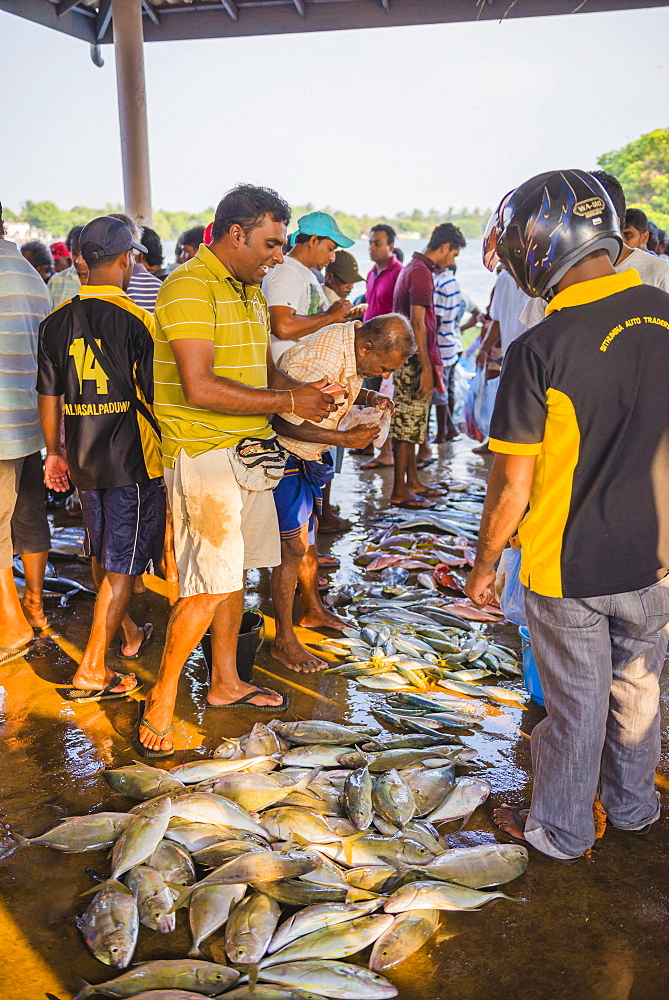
(391, 332)
(2, 223)
(154, 248)
(73, 236)
(39, 253)
(305, 237)
(446, 233)
(652, 236)
(192, 237)
(399, 253)
(388, 230)
(246, 206)
(100, 261)
(614, 189)
(637, 219)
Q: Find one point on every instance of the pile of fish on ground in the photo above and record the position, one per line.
(298, 845)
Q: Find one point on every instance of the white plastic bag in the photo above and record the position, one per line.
(512, 597)
(368, 415)
(484, 404)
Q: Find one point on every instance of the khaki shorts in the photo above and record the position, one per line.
(23, 523)
(220, 529)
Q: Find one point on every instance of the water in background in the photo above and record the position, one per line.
(474, 279)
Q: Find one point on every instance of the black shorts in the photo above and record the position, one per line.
(125, 526)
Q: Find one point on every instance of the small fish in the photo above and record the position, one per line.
(204, 807)
(154, 898)
(208, 978)
(264, 866)
(331, 979)
(466, 795)
(320, 731)
(140, 837)
(173, 862)
(358, 798)
(81, 833)
(332, 942)
(321, 915)
(392, 798)
(201, 770)
(110, 927)
(250, 929)
(408, 932)
(139, 781)
(480, 866)
(439, 896)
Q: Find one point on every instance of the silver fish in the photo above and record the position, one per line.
(201, 770)
(358, 798)
(203, 807)
(319, 731)
(209, 909)
(439, 896)
(320, 915)
(333, 942)
(393, 799)
(81, 833)
(331, 979)
(173, 862)
(465, 796)
(139, 781)
(208, 978)
(110, 927)
(141, 837)
(154, 898)
(408, 932)
(250, 929)
(480, 866)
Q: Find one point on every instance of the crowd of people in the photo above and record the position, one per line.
(202, 413)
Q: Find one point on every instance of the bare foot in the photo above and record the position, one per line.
(92, 682)
(323, 619)
(130, 646)
(506, 821)
(260, 698)
(376, 463)
(159, 714)
(34, 612)
(333, 524)
(294, 656)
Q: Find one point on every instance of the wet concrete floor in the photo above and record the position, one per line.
(597, 930)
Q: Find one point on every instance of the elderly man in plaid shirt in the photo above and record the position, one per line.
(345, 354)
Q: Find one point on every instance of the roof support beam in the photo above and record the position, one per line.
(231, 8)
(65, 5)
(385, 4)
(150, 11)
(103, 19)
(299, 6)
(131, 86)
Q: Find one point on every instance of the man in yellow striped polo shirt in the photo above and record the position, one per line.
(215, 386)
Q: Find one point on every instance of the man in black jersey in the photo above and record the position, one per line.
(581, 432)
(113, 452)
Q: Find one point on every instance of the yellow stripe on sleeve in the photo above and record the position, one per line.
(514, 448)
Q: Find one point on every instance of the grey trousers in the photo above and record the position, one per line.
(599, 660)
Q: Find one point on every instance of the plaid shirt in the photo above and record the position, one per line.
(330, 353)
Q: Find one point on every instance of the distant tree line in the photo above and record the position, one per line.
(169, 225)
(642, 167)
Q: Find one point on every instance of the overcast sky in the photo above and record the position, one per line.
(379, 120)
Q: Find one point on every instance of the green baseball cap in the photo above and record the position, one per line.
(345, 267)
(320, 224)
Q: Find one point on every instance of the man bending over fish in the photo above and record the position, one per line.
(344, 354)
(581, 432)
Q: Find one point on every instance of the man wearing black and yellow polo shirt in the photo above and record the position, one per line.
(113, 452)
(581, 431)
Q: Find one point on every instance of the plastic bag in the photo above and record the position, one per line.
(469, 424)
(368, 415)
(512, 597)
(484, 403)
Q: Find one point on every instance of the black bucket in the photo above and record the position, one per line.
(250, 639)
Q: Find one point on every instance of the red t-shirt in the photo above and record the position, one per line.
(381, 288)
(415, 287)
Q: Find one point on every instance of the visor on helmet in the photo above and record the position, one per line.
(493, 231)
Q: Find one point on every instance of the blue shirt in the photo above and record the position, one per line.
(143, 288)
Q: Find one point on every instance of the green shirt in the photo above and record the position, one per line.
(202, 301)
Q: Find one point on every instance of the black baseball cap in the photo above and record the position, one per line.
(106, 237)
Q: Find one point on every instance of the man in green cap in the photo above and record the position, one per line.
(340, 277)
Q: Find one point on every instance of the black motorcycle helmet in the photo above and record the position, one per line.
(547, 225)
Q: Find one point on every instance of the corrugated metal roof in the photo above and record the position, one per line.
(180, 19)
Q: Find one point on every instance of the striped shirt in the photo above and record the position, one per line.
(200, 300)
(449, 306)
(64, 286)
(329, 353)
(24, 302)
(143, 288)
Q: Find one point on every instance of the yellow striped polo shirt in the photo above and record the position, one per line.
(202, 301)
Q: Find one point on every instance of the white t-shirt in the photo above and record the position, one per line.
(508, 303)
(652, 271)
(292, 284)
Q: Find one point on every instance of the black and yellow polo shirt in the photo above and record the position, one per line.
(587, 392)
(108, 443)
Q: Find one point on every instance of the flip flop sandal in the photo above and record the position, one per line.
(414, 505)
(323, 584)
(520, 823)
(328, 562)
(139, 746)
(246, 700)
(426, 463)
(431, 492)
(104, 694)
(376, 465)
(7, 655)
(147, 632)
